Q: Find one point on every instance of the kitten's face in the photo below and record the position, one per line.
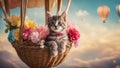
(56, 24)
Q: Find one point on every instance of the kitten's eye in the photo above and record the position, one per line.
(52, 23)
(59, 23)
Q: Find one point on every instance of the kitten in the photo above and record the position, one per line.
(57, 39)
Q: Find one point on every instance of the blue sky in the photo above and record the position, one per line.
(99, 42)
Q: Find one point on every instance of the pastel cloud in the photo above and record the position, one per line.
(82, 13)
(106, 62)
(8, 60)
(3, 37)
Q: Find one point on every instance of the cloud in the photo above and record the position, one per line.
(3, 37)
(8, 60)
(5, 64)
(119, 21)
(82, 13)
(105, 62)
(8, 55)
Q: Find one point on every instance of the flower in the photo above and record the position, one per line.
(18, 25)
(76, 42)
(73, 34)
(35, 37)
(11, 36)
(39, 33)
(29, 24)
(43, 31)
(16, 35)
(13, 20)
(26, 33)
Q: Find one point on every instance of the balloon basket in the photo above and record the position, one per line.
(37, 57)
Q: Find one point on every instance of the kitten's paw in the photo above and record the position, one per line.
(62, 47)
(53, 48)
(61, 50)
(42, 44)
(54, 53)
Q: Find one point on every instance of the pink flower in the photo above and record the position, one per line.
(43, 31)
(35, 37)
(76, 42)
(73, 34)
(39, 33)
(26, 33)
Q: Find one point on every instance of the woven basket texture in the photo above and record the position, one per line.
(37, 57)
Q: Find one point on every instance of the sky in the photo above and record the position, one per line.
(99, 45)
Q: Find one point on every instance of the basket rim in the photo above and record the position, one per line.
(34, 46)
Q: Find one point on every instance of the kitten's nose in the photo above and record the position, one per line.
(55, 27)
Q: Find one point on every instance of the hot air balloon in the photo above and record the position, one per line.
(33, 55)
(118, 9)
(103, 12)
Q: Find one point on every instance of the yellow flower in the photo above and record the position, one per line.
(18, 25)
(16, 35)
(29, 24)
(15, 20)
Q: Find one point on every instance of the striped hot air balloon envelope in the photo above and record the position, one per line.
(31, 3)
(103, 12)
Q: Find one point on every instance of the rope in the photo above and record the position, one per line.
(59, 6)
(64, 14)
(2, 3)
(23, 13)
(7, 7)
(47, 9)
(68, 6)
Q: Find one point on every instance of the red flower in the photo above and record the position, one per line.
(73, 34)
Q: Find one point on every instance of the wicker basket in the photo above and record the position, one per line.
(37, 57)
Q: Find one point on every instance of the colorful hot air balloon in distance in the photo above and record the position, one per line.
(103, 12)
(118, 9)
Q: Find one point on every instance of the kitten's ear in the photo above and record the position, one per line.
(49, 13)
(63, 16)
(49, 16)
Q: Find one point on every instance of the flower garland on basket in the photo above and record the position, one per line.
(35, 34)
